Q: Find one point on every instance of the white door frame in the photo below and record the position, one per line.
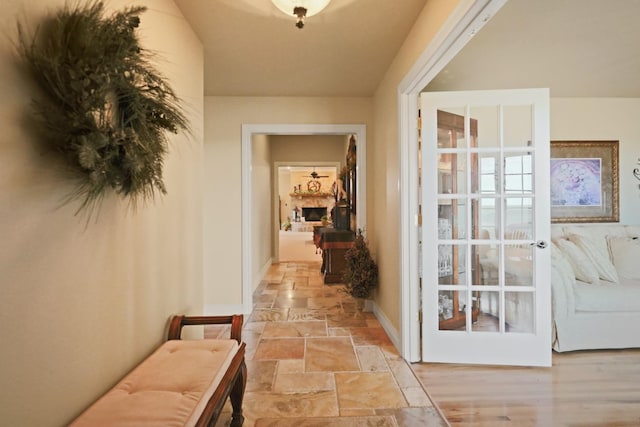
(467, 19)
(248, 130)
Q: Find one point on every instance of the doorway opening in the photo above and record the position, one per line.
(469, 17)
(304, 196)
(255, 166)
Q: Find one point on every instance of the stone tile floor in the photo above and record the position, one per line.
(314, 358)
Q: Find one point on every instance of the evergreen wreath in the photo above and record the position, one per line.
(102, 103)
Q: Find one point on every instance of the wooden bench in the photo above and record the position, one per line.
(183, 383)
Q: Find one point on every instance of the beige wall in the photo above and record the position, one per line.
(308, 148)
(223, 125)
(261, 205)
(383, 175)
(605, 119)
(284, 188)
(82, 302)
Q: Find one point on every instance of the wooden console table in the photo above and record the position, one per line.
(334, 244)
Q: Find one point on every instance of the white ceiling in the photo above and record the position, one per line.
(253, 49)
(574, 47)
(577, 48)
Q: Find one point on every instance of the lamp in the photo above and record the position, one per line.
(301, 8)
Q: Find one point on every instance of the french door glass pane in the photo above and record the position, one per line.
(519, 312)
(488, 316)
(485, 219)
(486, 173)
(448, 165)
(452, 222)
(487, 257)
(452, 264)
(518, 213)
(518, 173)
(451, 124)
(450, 304)
(518, 265)
(487, 121)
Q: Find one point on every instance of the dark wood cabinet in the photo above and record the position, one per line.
(452, 222)
(334, 244)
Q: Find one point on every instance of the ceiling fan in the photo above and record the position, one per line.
(315, 175)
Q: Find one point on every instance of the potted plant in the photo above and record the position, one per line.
(325, 220)
(361, 272)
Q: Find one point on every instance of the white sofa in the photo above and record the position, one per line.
(595, 284)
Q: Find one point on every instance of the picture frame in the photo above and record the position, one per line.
(584, 181)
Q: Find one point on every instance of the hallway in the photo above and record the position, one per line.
(295, 246)
(314, 358)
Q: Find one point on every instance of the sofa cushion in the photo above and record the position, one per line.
(625, 252)
(581, 264)
(607, 296)
(598, 254)
(560, 262)
(597, 233)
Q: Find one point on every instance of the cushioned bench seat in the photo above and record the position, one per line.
(183, 383)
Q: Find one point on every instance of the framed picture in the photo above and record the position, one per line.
(584, 181)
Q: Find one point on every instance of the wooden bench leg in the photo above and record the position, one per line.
(237, 395)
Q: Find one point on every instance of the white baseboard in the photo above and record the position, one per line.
(392, 332)
(260, 274)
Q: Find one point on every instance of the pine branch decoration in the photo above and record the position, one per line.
(361, 272)
(102, 105)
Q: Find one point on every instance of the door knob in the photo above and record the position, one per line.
(540, 243)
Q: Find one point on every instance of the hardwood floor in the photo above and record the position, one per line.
(585, 388)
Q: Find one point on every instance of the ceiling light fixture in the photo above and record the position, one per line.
(301, 8)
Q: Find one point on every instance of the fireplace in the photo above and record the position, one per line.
(313, 214)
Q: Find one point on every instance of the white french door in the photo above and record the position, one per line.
(485, 227)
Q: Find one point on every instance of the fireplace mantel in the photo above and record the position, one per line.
(301, 195)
